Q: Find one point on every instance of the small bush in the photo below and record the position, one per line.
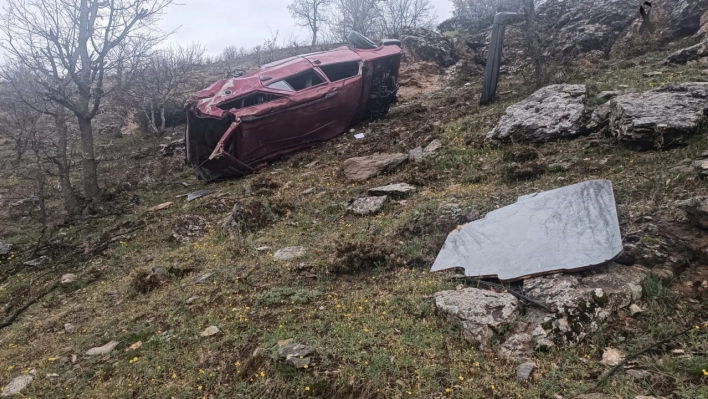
(652, 287)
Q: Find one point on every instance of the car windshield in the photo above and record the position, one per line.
(298, 82)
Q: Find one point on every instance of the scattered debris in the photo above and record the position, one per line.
(67, 279)
(359, 136)
(570, 228)
(211, 330)
(393, 190)
(298, 355)
(160, 207)
(480, 313)
(551, 113)
(17, 384)
(662, 118)
(612, 357)
(188, 228)
(368, 205)
(200, 194)
(102, 350)
(523, 372)
(289, 253)
(696, 209)
(364, 168)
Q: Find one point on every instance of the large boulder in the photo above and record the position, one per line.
(551, 113)
(422, 44)
(661, 118)
(687, 54)
(480, 313)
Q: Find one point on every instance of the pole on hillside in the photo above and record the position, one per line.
(496, 42)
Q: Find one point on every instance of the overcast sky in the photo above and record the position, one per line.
(221, 23)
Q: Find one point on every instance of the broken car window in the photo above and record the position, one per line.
(341, 71)
(249, 100)
(298, 82)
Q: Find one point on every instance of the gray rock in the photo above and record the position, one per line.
(202, 278)
(289, 253)
(17, 384)
(364, 168)
(519, 347)
(102, 350)
(551, 113)
(308, 191)
(416, 154)
(570, 228)
(422, 44)
(5, 248)
(696, 210)
(188, 228)
(394, 190)
(606, 95)
(600, 119)
(192, 299)
(67, 278)
(480, 313)
(687, 54)
(432, 148)
(523, 372)
(701, 167)
(661, 118)
(69, 328)
(368, 205)
(262, 249)
(298, 355)
(636, 375)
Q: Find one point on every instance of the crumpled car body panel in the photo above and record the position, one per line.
(237, 125)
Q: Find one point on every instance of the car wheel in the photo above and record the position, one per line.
(360, 41)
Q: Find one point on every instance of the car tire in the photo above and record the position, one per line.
(360, 41)
(390, 42)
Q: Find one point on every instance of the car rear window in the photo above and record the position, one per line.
(341, 71)
(298, 82)
(249, 101)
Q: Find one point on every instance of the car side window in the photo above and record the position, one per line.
(249, 101)
(298, 82)
(341, 71)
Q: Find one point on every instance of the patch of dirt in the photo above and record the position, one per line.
(145, 281)
(352, 257)
(417, 79)
(253, 214)
(520, 154)
(524, 171)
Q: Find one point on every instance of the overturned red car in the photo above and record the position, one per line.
(237, 125)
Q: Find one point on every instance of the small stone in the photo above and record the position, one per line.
(102, 350)
(635, 309)
(363, 168)
(395, 190)
(262, 249)
(653, 74)
(289, 253)
(211, 330)
(523, 372)
(368, 205)
(17, 385)
(202, 278)
(606, 95)
(69, 328)
(638, 375)
(41, 261)
(612, 357)
(308, 191)
(193, 299)
(5, 248)
(416, 154)
(52, 375)
(67, 279)
(135, 346)
(160, 207)
(297, 355)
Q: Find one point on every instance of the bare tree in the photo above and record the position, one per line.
(73, 46)
(309, 14)
(164, 77)
(398, 14)
(363, 16)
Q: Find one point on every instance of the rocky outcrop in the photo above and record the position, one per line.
(688, 54)
(364, 168)
(480, 313)
(422, 44)
(551, 113)
(661, 118)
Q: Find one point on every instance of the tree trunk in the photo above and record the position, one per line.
(162, 120)
(67, 191)
(91, 189)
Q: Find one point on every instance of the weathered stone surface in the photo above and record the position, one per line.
(600, 119)
(209, 331)
(422, 44)
(364, 168)
(519, 347)
(394, 190)
(67, 278)
(606, 95)
(581, 304)
(696, 209)
(297, 355)
(418, 154)
(368, 205)
(480, 313)
(17, 384)
(612, 357)
(701, 167)
(551, 113)
(660, 118)
(638, 375)
(687, 54)
(102, 350)
(189, 228)
(69, 328)
(5, 248)
(523, 372)
(289, 253)
(569, 228)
